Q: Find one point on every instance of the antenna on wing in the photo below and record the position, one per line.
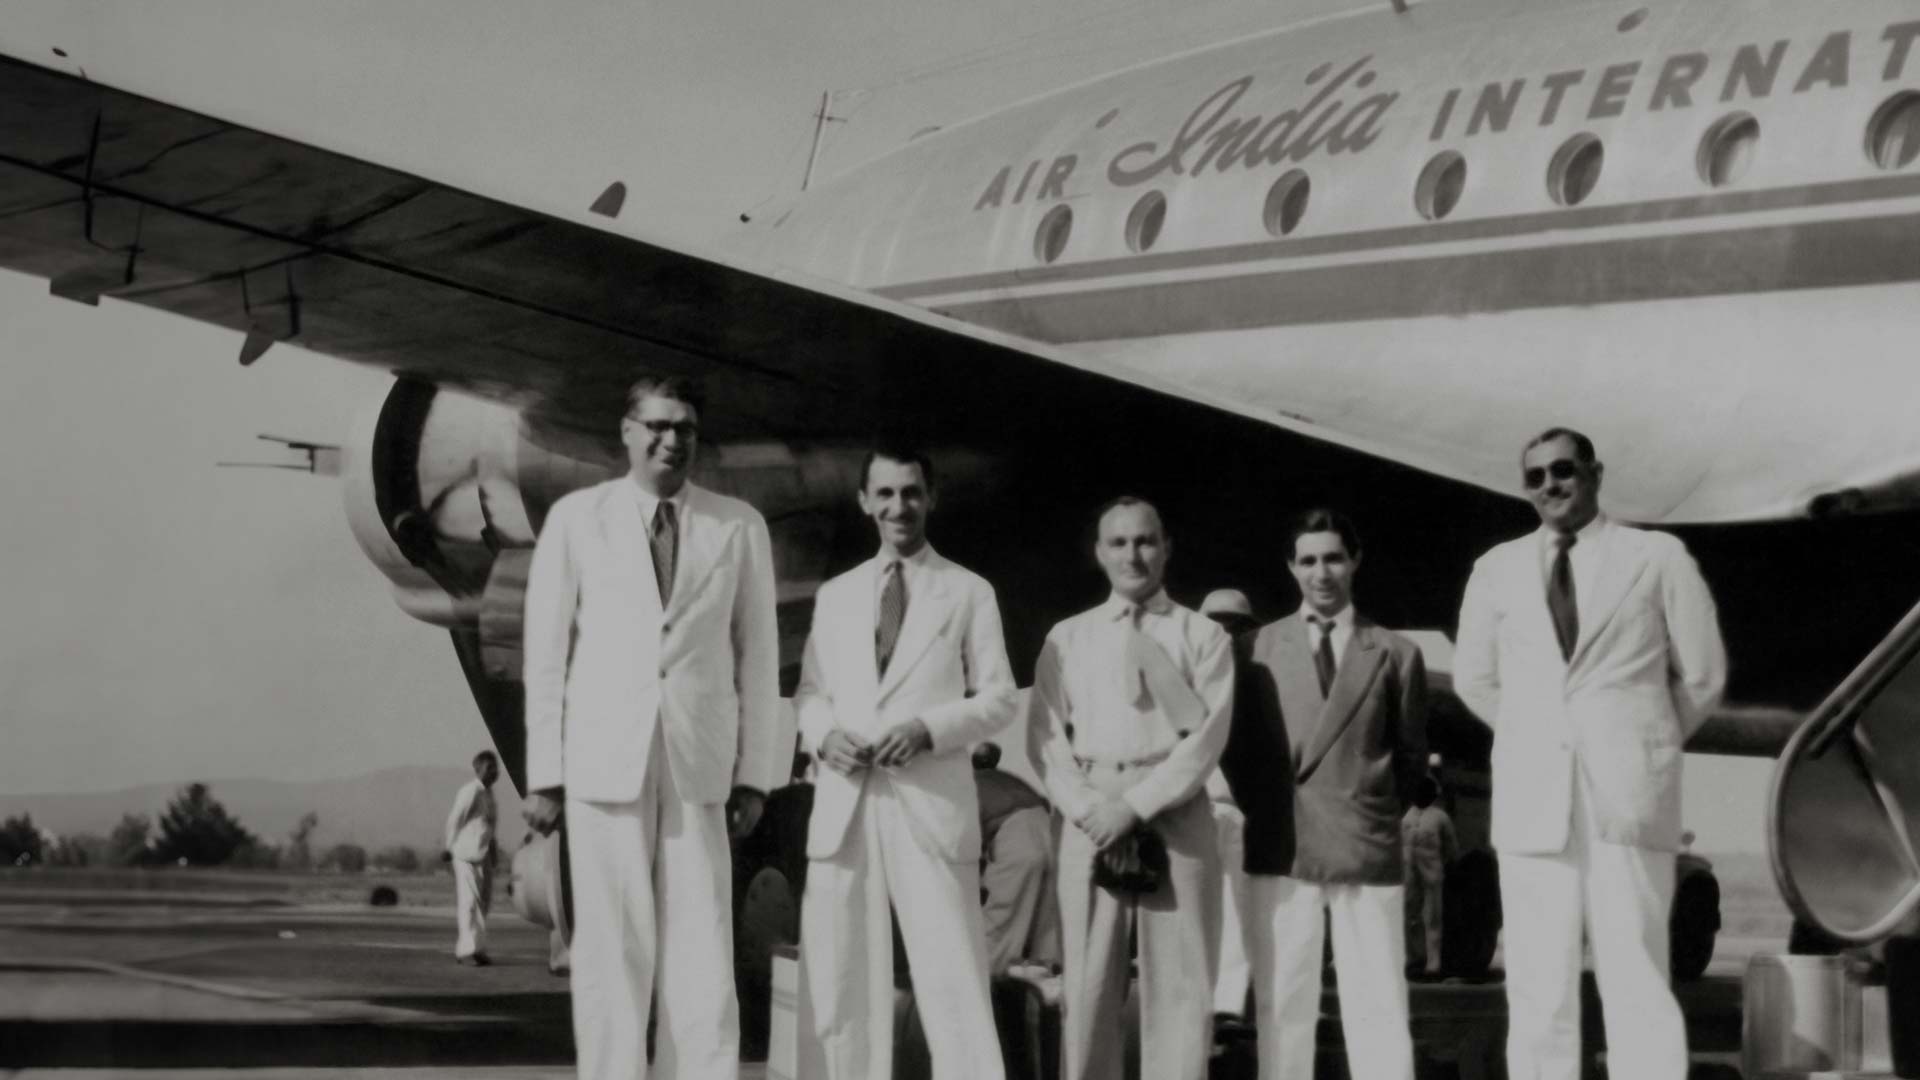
(323, 459)
(820, 121)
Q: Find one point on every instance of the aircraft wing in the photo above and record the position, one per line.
(106, 193)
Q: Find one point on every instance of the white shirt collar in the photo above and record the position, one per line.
(1583, 536)
(1118, 607)
(1342, 620)
(908, 564)
(650, 503)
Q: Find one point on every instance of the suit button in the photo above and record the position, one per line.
(666, 628)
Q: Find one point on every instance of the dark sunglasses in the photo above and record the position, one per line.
(1563, 469)
(686, 429)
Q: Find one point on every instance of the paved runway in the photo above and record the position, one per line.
(96, 983)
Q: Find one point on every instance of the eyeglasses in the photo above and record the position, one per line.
(1562, 469)
(686, 429)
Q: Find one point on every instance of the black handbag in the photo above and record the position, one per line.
(1136, 863)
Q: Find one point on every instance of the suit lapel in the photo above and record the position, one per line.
(1298, 686)
(925, 614)
(626, 537)
(1359, 666)
(1620, 568)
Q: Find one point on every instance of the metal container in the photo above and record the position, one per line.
(1801, 1015)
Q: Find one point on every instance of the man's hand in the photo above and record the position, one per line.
(1107, 823)
(844, 752)
(902, 743)
(543, 810)
(744, 807)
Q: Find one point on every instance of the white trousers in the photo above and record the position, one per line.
(472, 894)
(1176, 938)
(1625, 893)
(1022, 915)
(1233, 973)
(653, 924)
(1369, 958)
(847, 937)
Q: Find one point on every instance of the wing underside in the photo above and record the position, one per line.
(106, 193)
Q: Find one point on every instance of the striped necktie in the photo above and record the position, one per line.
(1560, 597)
(893, 612)
(665, 542)
(1323, 662)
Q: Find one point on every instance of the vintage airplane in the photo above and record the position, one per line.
(1357, 258)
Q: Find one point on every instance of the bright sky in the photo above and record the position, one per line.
(169, 620)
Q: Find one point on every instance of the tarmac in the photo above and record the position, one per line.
(98, 983)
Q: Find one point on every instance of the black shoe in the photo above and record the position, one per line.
(478, 959)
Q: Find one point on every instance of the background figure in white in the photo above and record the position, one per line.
(1233, 974)
(1428, 846)
(469, 840)
(1233, 978)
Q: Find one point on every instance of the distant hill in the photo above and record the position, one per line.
(405, 805)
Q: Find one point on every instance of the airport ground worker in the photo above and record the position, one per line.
(1324, 762)
(905, 670)
(1128, 715)
(1593, 650)
(469, 841)
(1427, 846)
(653, 715)
(1016, 867)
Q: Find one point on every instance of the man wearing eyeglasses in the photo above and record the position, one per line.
(653, 717)
(1593, 650)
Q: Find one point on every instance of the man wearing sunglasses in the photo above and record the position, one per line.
(653, 716)
(1593, 650)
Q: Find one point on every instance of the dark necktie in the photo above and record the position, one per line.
(893, 612)
(665, 542)
(1566, 616)
(1323, 665)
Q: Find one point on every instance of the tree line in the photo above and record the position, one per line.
(195, 830)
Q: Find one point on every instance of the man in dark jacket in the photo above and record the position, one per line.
(1323, 763)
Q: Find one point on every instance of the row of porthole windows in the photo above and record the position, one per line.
(1727, 148)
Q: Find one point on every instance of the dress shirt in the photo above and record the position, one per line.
(650, 505)
(1079, 709)
(1342, 630)
(1585, 554)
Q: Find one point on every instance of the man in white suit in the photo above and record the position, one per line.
(904, 671)
(469, 841)
(1594, 651)
(653, 716)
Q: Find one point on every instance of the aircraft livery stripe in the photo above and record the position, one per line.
(1801, 255)
(1493, 228)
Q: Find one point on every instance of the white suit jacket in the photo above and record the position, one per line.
(949, 668)
(1648, 666)
(469, 832)
(606, 665)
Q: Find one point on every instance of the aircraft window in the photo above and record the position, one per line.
(1893, 136)
(1575, 169)
(1727, 149)
(1050, 239)
(1287, 202)
(1632, 20)
(1440, 185)
(1144, 222)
